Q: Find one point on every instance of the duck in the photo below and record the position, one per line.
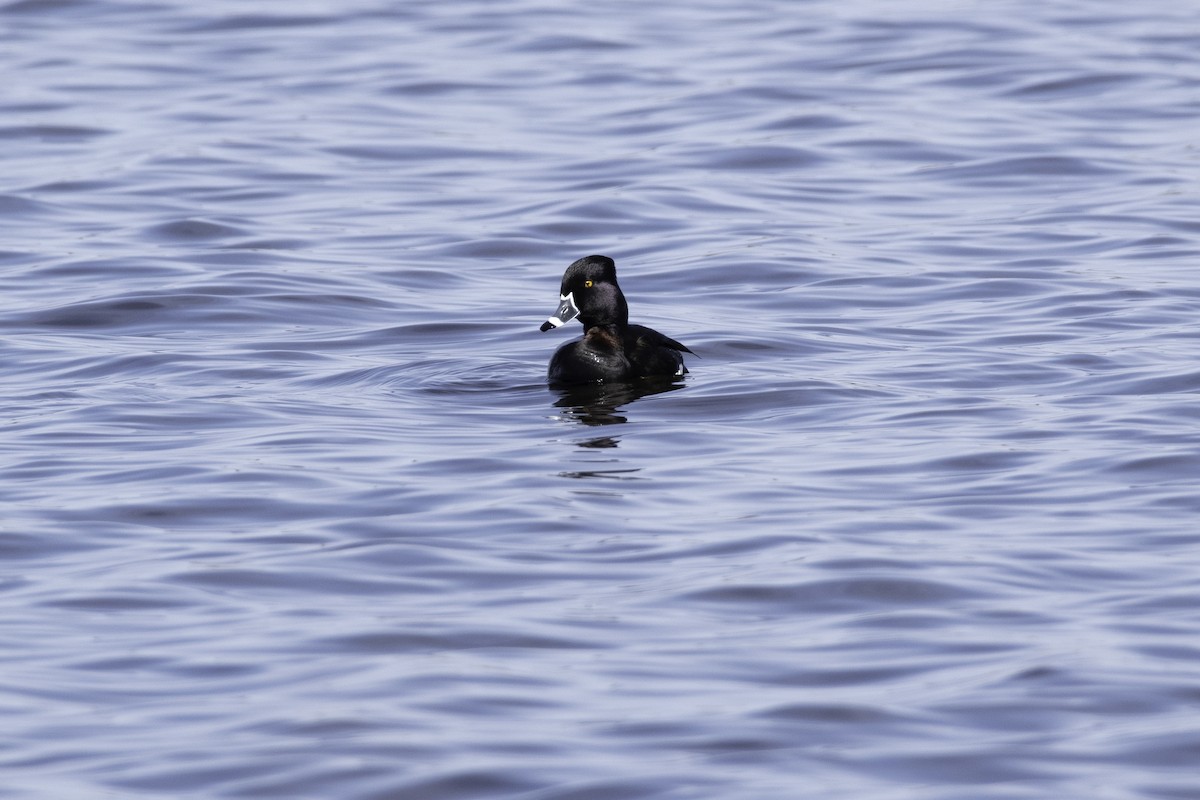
(611, 349)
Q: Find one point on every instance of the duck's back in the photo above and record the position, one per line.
(652, 354)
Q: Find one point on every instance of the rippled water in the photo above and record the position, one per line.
(289, 511)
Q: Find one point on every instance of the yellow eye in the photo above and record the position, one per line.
(587, 284)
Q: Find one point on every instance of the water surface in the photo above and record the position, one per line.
(289, 511)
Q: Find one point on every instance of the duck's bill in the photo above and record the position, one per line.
(566, 312)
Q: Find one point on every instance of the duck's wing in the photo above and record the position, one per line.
(648, 337)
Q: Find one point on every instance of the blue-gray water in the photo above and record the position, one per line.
(289, 511)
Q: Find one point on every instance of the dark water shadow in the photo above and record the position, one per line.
(601, 403)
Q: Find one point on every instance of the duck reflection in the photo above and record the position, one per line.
(596, 404)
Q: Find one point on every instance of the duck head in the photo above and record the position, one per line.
(590, 292)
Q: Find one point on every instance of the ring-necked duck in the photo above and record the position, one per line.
(611, 349)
